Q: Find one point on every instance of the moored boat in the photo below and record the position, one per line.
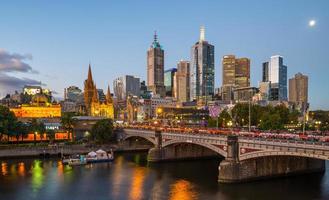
(99, 156)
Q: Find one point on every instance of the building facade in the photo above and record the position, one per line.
(72, 93)
(169, 81)
(202, 71)
(126, 85)
(155, 68)
(40, 107)
(96, 105)
(298, 89)
(277, 75)
(236, 74)
(183, 81)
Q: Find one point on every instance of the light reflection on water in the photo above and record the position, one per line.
(182, 190)
(131, 177)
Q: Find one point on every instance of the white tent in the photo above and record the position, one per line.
(92, 154)
(100, 151)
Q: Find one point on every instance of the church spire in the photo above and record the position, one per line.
(90, 76)
(108, 95)
(95, 95)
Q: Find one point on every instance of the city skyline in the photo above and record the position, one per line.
(59, 60)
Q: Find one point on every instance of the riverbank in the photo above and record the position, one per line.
(65, 150)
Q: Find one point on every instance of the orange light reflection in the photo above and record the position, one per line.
(182, 190)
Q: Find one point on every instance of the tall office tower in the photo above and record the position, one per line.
(236, 74)
(183, 81)
(169, 76)
(265, 72)
(202, 74)
(298, 89)
(277, 75)
(242, 72)
(155, 68)
(72, 93)
(126, 85)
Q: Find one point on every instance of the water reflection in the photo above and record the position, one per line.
(4, 168)
(117, 177)
(182, 190)
(21, 169)
(136, 190)
(125, 179)
(37, 175)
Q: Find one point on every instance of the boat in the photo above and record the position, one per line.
(77, 161)
(99, 156)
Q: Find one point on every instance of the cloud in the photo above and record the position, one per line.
(9, 84)
(15, 62)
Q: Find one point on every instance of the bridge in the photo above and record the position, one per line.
(245, 158)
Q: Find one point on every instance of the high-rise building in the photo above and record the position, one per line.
(277, 75)
(236, 74)
(169, 81)
(242, 72)
(265, 72)
(155, 68)
(183, 81)
(202, 72)
(72, 93)
(298, 89)
(126, 85)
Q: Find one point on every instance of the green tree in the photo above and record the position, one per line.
(223, 118)
(102, 131)
(37, 128)
(68, 123)
(21, 130)
(271, 122)
(7, 122)
(51, 135)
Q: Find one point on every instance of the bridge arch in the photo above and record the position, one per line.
(208, 146)
(259, 154)
(140, 136)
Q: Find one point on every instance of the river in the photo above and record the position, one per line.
(131, 177)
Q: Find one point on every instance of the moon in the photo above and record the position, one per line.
(312, 23)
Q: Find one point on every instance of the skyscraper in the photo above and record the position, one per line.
(169, 81)
(236, 74)
(277, 75)
(72, 93)
(298, 89)
(155, 68)
(265, 72)
(183, 81)
(202, 69)
(126, 85)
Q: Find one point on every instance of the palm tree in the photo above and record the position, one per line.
(68, 123)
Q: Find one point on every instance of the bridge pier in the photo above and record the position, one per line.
(231, 170)
(156, 153)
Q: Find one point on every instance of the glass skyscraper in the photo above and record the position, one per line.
(277, 75)
(202, 69)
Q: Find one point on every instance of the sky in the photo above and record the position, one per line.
(53, 42)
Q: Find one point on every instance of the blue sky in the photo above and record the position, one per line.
(58, 39)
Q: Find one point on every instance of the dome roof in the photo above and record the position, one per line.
(39, 99)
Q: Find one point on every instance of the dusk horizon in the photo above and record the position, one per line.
(57, 41)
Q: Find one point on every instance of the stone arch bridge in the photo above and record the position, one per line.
(245, 158)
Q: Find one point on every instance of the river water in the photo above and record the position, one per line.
(131, 177)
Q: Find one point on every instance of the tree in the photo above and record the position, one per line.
(102, 131)
(271, 122)
(68, 123)
(7, 122)
(37, 128)
(51, 135)
(21, 130)
(223, 118)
